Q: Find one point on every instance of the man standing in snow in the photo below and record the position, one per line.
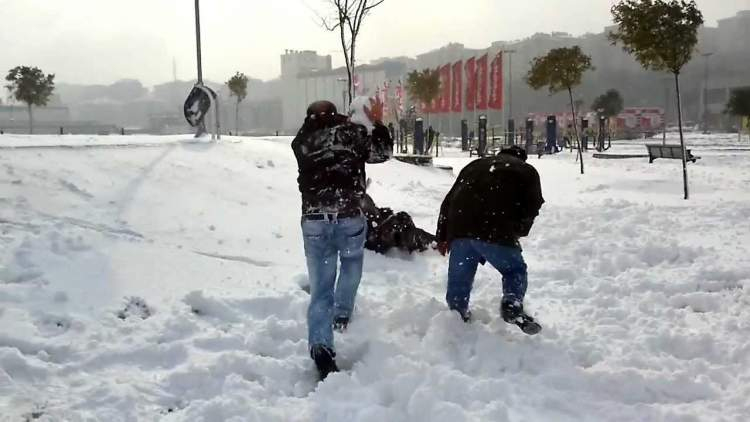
(331, 152)
(490, 207)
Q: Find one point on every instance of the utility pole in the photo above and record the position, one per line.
(706, 56)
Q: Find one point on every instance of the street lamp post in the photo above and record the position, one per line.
(510, 86)
(201, 128)
(706, 56)
(198, 40)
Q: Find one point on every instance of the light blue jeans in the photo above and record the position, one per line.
(327, 241)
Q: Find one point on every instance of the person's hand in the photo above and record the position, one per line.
(375, 111)
(443, 248)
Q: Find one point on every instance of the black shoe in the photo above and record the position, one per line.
(465, 315)
(324, 360)
(512, 313)
(340, 324)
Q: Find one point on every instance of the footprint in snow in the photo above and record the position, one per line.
(135, 307)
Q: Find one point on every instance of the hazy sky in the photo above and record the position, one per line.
(100, 41)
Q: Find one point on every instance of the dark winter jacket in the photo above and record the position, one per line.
(494, 199)
(387, 230)
(332, 161)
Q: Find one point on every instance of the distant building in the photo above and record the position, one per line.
(728, 68)
(733, 33)
(307, 77)
(331, 85)
(48, 120)
(294, 62)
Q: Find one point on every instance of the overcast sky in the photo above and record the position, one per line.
(101, 41)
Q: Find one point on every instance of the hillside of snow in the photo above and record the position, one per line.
(158, 279)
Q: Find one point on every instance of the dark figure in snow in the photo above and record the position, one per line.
(331, 152)
(387, 230)
(567, 137)
(490, 207)
(430, 134)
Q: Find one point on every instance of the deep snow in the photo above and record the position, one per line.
(161, 281)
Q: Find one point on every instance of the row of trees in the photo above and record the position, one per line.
(660, 34)
(31, 86)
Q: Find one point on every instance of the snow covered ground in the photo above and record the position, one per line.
(161, 282)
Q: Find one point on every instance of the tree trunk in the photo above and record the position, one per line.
(739, 130)
(352, 63)
(237, 118)
(682, 138)
(575, 127)
(31, 120)
(349, 87)
(347, 63)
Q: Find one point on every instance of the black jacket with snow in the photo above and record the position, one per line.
(494, 199)
(332, 161)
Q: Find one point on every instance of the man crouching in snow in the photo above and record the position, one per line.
(490, 207)
(331, 152)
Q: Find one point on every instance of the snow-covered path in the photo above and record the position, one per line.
(161, 283)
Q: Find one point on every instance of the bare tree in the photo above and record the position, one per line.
(347, 20)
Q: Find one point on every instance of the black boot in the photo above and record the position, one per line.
(324, 360)
(512, 313)
(465, 315)
(340, 324)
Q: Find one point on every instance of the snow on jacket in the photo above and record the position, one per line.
(332, 161)
(494, 199)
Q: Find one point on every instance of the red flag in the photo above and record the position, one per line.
(386, 107)
(471, 84)
(434, 106)
(482, 83)
(445, 88)
(457, 87)
(496, 82)
(400, 96)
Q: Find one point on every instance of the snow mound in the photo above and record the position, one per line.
(156, 278)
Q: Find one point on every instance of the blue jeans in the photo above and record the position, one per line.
(327, 241)
(466, 254)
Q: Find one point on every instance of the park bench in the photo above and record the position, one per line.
(475, 151)
(668, 151)
(417, 160)
(490, 151)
